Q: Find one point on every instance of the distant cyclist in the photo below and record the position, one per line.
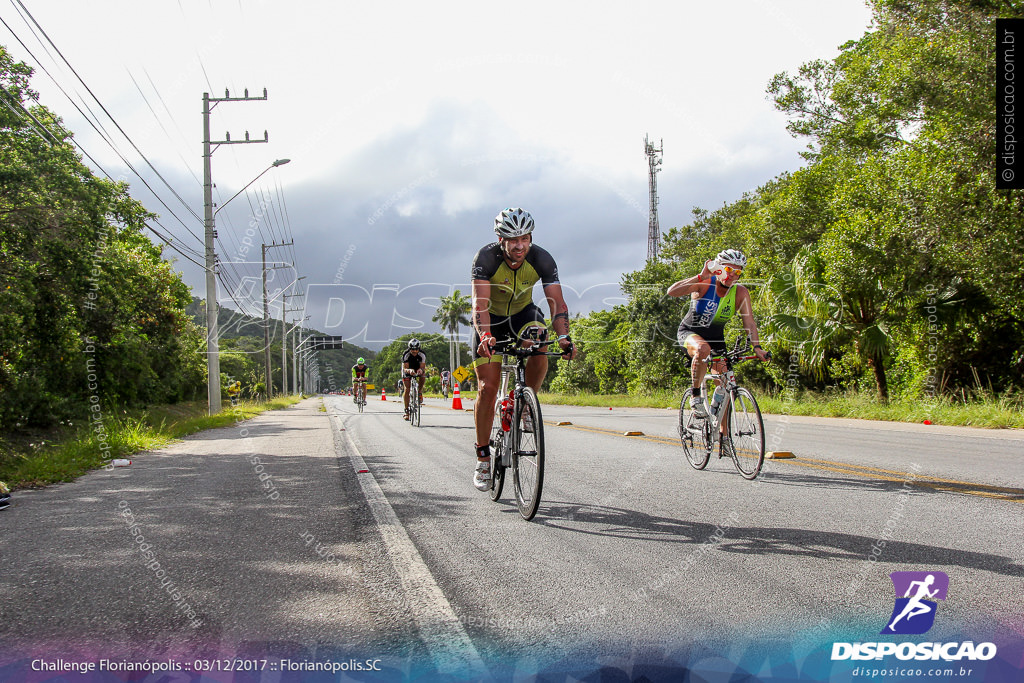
(359, 371)
(504, 274)
(446, 382)
(414, 364)
(715, 298)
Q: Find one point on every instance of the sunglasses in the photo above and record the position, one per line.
(729, 270)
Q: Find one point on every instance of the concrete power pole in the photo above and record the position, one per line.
(212, 331)
(266, 315)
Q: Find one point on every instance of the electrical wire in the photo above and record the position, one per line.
(100, 132)
(110, 116)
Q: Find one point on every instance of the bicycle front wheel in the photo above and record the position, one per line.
(528, 454)
(414, 403)
(746, 430)
(695, 434)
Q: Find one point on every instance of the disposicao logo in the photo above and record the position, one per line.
(914, 614)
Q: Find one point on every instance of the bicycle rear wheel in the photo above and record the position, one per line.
(528, 454)
(695, 434)
(746, 430)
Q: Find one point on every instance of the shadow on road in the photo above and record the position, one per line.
(599, 520)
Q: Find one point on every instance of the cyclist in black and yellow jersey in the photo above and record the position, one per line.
(504, 274)
(414, 364)
(359, 371)
(715, 299)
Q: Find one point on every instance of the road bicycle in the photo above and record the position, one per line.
(414, 401)
(444, 390)
(518, 438)
(360, 395)
(742, 437)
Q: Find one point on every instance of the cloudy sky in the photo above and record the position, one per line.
(411, 124)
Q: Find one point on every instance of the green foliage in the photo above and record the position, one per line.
(89, 311)
(889, 262)
(453, 311)
(387, 367)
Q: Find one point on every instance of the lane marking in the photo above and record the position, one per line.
(440, 629)
(1013, 495)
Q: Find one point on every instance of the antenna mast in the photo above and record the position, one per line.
(653, 162)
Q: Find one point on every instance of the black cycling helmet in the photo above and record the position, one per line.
(414, 344)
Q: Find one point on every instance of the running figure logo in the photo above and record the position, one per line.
(914, 613)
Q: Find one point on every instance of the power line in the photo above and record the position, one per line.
(162, 127)
(40, 129)
(102, 133)
(105, 111)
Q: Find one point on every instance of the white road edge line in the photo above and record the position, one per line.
(443, 634)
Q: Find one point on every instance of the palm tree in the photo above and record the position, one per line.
(820, 320)
(453, 311)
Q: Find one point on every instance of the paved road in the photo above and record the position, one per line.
(633, 548)
(313, 535)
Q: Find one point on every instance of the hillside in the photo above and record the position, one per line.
(242, 357)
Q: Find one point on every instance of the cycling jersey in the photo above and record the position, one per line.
(358, 373)
(414, 361)
(707, 317)
(712, 310)
(512, 290)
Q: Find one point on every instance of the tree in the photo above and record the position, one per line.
(90, 314)
(453, 311)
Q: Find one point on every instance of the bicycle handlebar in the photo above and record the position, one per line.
(512, 348)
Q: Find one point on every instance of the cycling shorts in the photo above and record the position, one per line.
(504, 327)
(714, 336)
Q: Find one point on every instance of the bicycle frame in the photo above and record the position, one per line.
(513, 366)
(727, 380)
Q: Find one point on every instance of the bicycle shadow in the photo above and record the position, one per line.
(623, 523)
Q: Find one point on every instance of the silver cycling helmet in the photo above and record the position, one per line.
(414, 344)
(513, 223)
(733, 257)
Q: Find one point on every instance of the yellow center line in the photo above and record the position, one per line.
(990, 487)
(938, 483)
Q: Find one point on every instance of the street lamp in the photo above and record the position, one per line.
(212, 332)
(279, 162)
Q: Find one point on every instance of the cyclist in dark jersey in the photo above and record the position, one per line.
(504, 274)
(359, 371)
(715, 299)
(414, 364)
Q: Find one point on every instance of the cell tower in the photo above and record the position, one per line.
(653, 162)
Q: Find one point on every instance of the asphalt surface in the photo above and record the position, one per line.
(311, 534)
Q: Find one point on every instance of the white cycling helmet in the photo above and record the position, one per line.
(733, 257)
(414, 344)
(513, 223)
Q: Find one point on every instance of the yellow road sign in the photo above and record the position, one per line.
(460, 373)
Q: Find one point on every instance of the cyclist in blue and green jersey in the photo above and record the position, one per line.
(504, 274)
(715, 299)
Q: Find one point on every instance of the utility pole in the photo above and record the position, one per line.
(266, 314)
(653, 231)
(284, 336)
(212, 331)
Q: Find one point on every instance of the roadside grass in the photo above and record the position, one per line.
(68, 453)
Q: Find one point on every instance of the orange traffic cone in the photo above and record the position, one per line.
(382, 396)
(456, 399)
